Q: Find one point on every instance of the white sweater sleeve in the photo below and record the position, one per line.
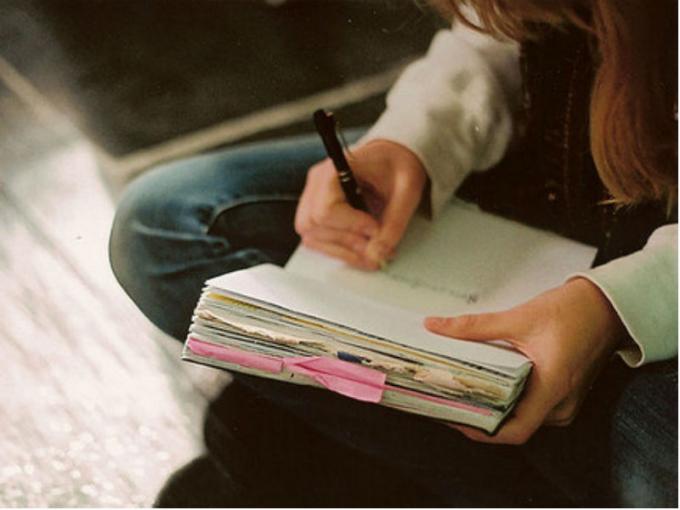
(643, 289)
(453, 107)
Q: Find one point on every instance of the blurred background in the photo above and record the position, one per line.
(96, 409)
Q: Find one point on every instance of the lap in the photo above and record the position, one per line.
(621, 450)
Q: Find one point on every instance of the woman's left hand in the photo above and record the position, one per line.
(568, 332)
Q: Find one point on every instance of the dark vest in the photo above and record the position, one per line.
(548, 179)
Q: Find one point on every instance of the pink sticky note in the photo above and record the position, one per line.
(243, 358)
(349, 379)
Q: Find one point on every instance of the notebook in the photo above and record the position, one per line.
(320, 322)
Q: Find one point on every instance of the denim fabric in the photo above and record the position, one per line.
(182, 223)
(185, 222)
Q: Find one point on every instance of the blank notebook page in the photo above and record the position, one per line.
(466, 261)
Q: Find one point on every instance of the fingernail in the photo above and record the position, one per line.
(360, 246)
(370, 231)
(434, 322)
(376, 251)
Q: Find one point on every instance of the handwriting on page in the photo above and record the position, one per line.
(415, 282)
(466, 261)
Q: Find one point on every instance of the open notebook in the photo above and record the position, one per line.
(360, 334)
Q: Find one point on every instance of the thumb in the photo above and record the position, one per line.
(482, 327)
(395, 218)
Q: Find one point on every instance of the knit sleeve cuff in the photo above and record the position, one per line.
(642, 289)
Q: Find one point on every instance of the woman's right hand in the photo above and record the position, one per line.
(392, 180)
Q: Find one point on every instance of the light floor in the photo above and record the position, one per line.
(95, 407)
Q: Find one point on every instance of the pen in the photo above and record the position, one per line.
(325, 126)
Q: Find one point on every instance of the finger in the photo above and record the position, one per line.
(558, 421)
(339, 252)
(303, 214)
(355, 242)
(323, 203)
(394, 220)
(480, 327)
(565, 411)
(340, 216)
(474, 434)
(529, 415)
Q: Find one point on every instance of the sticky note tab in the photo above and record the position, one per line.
(243, 358)
(349, 379)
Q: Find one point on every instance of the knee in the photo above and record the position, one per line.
(122, 237)
(141, 207)
(158, 246)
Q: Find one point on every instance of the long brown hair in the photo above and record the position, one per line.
(633, 108)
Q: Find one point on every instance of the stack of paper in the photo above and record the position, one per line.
(361, 334)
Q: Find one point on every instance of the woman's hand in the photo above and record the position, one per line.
(392, 180)
(568, 332)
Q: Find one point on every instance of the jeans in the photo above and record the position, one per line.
(187, 221)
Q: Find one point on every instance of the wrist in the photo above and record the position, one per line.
(398, 153)
(599, 311)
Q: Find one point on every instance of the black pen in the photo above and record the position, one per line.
(325, 126)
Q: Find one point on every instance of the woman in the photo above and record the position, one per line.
(572, 106)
